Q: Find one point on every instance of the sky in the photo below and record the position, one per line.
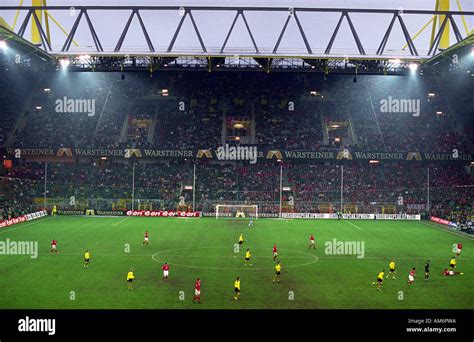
(265, 27)
(467, 5)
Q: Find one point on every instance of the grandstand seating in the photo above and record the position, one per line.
(189, 111)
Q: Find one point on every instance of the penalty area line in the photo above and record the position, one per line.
(117, 223)
(352, 224)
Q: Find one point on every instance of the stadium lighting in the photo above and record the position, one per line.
(286, 188)
(38, 107)
(188, 187)
(316, 93)
(238, 126)
(334, 126)
(103, 158)
(413, 67)
(373, 161)
(237, 138)
(46, 90)
(164, 92)
(431, 94)
(64, 62)
(395, 62)
(337, 140)
(84, 57)
(439, 112)
(3, 45)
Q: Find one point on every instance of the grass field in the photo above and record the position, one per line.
(205, 248)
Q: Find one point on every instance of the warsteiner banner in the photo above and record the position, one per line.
(249, 154)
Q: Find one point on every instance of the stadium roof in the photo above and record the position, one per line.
(22, 46)
(324, 39)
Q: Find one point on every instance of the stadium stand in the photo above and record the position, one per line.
(192, 111)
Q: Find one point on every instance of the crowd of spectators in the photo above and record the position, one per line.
(188, 110)
(16, 85)
(176, 110)
(387, 188)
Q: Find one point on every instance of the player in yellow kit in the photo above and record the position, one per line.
(241, 241)
(379, 280)
(391, 265)
(237, 288)
(277, 276)
(248, 255)
(87, 258)
(130, 279)
(452, 263)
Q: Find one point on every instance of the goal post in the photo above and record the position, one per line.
(237, 211)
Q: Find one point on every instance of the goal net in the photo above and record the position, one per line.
(236, 211)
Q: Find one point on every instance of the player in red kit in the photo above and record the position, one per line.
(166, 271)
(145, 240)
(275, 252)
(448, 273)
(54, 246)
(312, 244)
(411, 276)
(197, 291)
(458, 249)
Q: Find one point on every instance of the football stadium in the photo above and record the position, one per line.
(237, 156)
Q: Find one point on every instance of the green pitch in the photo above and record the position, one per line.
(205, 248)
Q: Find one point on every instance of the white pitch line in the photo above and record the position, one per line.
(116, 223)
(20, 225)
(448, 231)
(352, 224)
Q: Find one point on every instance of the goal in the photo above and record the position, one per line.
(236, 211)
